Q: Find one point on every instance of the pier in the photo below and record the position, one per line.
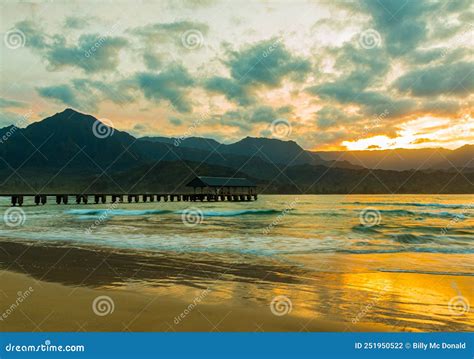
(205, 189)
(102, 198)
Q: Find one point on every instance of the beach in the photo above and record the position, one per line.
(282, 264)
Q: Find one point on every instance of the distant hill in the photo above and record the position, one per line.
(406, 159)
(65, 152)
(268, 149)
(462, 157)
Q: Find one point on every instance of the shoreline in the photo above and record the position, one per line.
(55, 307)
(202, 292)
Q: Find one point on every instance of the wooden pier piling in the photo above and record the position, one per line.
(83, 198)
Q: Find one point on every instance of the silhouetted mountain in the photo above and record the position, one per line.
(269, 150)
(167, 140)
(67, 138)
(76, 141)
(8, 132)
(272, 150)
(406, 159)
(201, 143)
(75, 151)
(460, 158)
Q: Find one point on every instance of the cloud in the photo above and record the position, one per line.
(267, 114)
(8, 118)
(372, 102)
(266, 63)
(246, 119)
(329, 117)
(35, 38)
(152, 61)
(356, 69)
(440, 108)
(61, 93)
(170, 84)
(232, 90)
(421, 140)
(92, 53)
(75, 22)
(405, 25)
(6, 103)
(175, 121)
(193, 4)
(423, 57)
(168, 32)
(456, 79)
(118, 92)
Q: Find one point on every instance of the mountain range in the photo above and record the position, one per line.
(406, 159)
(64, 152)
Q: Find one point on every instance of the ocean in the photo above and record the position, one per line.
(406, 256)
(277, 225)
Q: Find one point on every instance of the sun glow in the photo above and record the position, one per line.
(419, 133)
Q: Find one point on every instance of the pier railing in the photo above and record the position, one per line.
(19, 199)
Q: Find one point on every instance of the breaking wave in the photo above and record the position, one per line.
(123, 212)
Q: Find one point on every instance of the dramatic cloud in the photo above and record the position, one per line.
(87, 94)
(230, 88)
(5, 103)
(455, 79)
(329, 117)
(62, 93)
(152, 61)
(170, 84)
(402, 23)
(245, 65)
(92, 52)
(265, 63)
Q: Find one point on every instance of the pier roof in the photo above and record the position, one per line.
(203, 181)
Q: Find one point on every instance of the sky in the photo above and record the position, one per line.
(330, 75)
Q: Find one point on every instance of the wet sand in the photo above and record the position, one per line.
(56, 307)
(178, 292)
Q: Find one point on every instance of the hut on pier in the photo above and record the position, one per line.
(223, 185)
